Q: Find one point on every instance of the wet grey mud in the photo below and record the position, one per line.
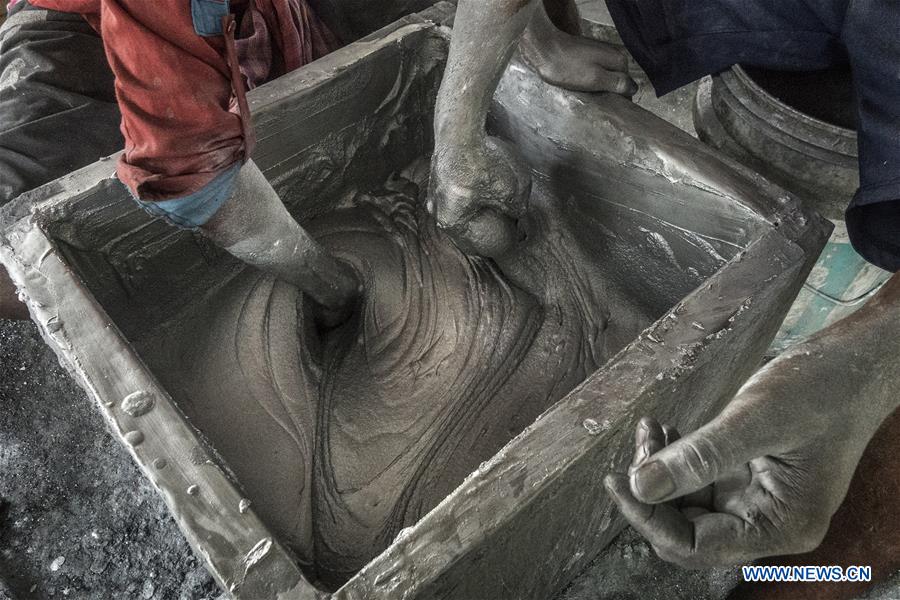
(342, 439)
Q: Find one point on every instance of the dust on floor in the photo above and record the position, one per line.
(77, 520)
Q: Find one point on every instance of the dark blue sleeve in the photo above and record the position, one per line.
(679, 41)
(871, 34)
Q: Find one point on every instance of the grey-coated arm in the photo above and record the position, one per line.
(479, 187)
(255, 227)
(485, 34)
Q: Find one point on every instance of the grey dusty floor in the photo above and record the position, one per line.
(76, 518)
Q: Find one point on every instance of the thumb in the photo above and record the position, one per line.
(691, 463)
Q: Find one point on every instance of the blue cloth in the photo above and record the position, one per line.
(194, 210)
(207, 16)
(679, 41)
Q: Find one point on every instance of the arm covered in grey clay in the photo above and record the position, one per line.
(255, 227)
(766, 475)
(479, 188)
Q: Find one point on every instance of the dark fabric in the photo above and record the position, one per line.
(278, 37)
(871, 33)
(678, 41)
(58, 108)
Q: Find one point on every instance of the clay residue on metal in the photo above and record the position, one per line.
(340, 440)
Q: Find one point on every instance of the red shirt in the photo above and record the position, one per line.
(179, 115)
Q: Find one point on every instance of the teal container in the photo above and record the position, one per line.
(840, 283)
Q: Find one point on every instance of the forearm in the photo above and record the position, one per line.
(255, 227)
(486, 33)
(541, 26)
(868, 343)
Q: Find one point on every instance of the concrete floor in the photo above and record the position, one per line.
(76, 518)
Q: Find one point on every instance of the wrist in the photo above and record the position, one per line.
(453, 135)
(857, 368)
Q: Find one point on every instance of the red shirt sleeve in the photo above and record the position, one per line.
(175, 95)
(180, 119)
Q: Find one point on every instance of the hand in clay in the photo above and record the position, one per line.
(477, 194)
(478, 187)
(767, 474)
(574, 62)
(255, 227)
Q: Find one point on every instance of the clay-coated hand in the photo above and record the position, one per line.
(478, 194)
(763, 478)
(574, 62)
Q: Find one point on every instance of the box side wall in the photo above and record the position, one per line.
(646, 201)
(195, 486)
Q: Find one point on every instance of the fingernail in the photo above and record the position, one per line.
(653, 482)
(641, 436)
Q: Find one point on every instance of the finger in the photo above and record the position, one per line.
(672, 434)
(450, 204)
(641, 431)
(692, 462)
(698, 502)
(616, 82)
(511, 170)
(488, 233)
(692, 539)
(664, 526)
(611, 57)
(693, 512)
(733, 488)
(649, 438)
(722, 539)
